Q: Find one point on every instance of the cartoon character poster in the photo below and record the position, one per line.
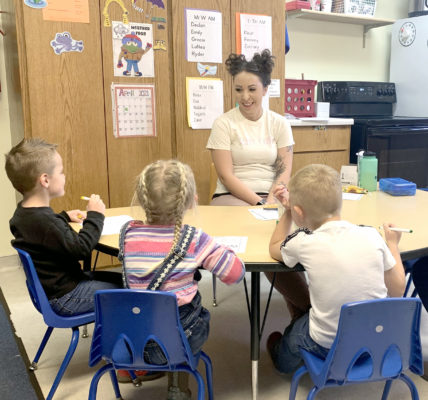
(133, 49)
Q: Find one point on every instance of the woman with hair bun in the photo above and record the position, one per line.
(251, 148)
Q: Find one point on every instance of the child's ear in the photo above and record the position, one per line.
(299, 211)
(44, 180)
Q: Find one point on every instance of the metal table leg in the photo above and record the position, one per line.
(255, 331)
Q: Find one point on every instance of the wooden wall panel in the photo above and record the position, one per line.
(63, 99)
(191, 142)
(275, 9)
(128, 156)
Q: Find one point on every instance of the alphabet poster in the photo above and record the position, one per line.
(203, 35)
(133, 49)
(253, 34)
(133, 110)
(204, 101)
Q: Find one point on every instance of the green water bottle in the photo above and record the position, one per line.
(367, 170)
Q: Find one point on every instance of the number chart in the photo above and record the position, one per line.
(133, 110)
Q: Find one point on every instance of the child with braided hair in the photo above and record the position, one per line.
(166, 190)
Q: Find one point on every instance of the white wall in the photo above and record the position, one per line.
(8, 199)
(334, 51)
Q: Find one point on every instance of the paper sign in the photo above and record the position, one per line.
(133, 110)
(133, 49)
(274, 89)
(253, 34)
(203, 35)
(237, 243)
(204, 101)
(67, 11)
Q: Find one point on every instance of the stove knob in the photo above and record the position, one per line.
(379, 92)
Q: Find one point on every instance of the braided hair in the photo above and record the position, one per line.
(261, 65)
(166, 189)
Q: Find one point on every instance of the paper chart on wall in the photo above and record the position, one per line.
(67, 11)
(203, 35)
(253, 34)
(133, 108)
(133, 49)
(204, 101)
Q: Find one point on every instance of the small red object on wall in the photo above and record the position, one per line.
(297, 5)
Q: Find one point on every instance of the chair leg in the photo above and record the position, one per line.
(66, 361)
(295, 382)
(214, 291)
(386, 389)
(411, 386)
(115, 384)
(45, 339)
(85, 331)
(96, 378)
(201, 385)
(209, 374)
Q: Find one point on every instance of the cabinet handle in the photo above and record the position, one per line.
(320, 128)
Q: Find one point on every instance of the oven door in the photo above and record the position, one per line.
(402, 151)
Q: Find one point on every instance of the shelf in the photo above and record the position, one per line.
(367, 22)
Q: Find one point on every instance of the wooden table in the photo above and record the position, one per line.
(373, 209)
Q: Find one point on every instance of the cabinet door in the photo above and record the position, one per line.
(127, 156)
(191, 142)
(63, 99)
(328, 145)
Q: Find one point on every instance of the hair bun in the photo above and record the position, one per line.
(265, 61)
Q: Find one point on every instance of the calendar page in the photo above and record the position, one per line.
(133, 110)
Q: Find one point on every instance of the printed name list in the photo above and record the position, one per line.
(203, 36)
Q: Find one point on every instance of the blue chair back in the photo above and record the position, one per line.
(376, 340)
(126, 319)
(41, 302)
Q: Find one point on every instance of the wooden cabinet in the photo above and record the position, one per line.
(321, 145)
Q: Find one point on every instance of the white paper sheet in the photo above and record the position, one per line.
(351, 196)
(112, 225)
(237, 243)
(263, 214)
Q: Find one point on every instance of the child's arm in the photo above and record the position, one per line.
(282, 230)
(395, 280)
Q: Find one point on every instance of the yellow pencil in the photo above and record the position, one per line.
(85, 198)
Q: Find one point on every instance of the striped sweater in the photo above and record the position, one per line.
(147, 245)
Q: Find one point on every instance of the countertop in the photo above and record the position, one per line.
(320, 121)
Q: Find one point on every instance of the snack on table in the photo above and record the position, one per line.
(354, 189)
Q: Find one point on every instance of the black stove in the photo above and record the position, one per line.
(400, 143)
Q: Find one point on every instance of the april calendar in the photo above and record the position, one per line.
(133, 110)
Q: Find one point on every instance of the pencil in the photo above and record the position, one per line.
(85, 198)
(405, 230)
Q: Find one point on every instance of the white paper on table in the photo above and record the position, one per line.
(237, 243)
(263, 214)
(112, 225)
(351, 196)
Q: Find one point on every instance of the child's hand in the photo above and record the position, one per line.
(96, 204)
(281, 194)
(391, 237)
(76, 215)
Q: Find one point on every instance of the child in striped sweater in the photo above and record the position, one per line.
(166, 190)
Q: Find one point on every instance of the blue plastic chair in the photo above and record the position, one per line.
(52, 320)
(377, 340)
(125, 320)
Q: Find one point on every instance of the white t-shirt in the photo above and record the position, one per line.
(344, 263)
(253, 145)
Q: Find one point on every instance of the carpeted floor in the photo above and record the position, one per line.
(15, 380)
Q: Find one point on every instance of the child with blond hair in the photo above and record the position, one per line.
(36, 171)
(166, 190)
(344, 262)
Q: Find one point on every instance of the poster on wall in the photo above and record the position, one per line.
(133, 49)
(253, 34)
(133, 108)
(203, 35)
(204, 101)
(65, 10)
